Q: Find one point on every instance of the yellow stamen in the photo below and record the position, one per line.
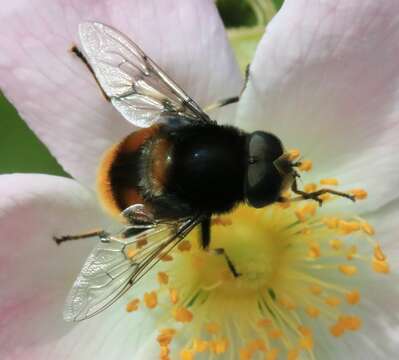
(305, 331)
(351, 252)
(225, 221)
(284, 203)
(200, 345)
(186, 354)
(348, 270)
(287, 303)
(332, 301)
(329, 181)
(245, 354)
(378, 253)
(184, 246)
(311, 187)
(381, 266)
(315, 289)
(133, 305)
(348, 227)
(306, 165)
(359, 194)
(131, 253)
(293, 354)
(336, 244)
(165, 337)
(219, 346)
(325, 197)
(164, 355)
(140, 243)
(367, 228)
(151, 299)
(353, 298)
(331, 222)
(293, 154)
(306, 343)
(314, 250)
(272, 354)
(337, 329)
(165, 257)
(173, 296)
(275, 334)
(310, 208)
(301, 216)
(163, 278)
(307, 210)
(348, 322)
(313, 311)
(264, 323)
(212, 328)
(182, 314)
(257, 345)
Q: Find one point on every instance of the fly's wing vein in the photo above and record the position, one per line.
(137, 87)
(116, 264)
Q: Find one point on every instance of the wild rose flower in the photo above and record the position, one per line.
(314, 284)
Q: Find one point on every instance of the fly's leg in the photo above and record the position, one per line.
(100, 233)
(205, 233)
(221, 103)
(221, 251)
(80, 55)
(230, 100)
(315, 195)
(205, 241)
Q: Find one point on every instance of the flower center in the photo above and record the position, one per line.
(298, 269)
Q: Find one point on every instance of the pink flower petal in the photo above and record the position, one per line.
(325, 79)
(35, 273)
(382, 291)
(57, 96)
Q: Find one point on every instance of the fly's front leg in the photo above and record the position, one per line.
(230, 100)
(100, 233)
(80, 55)
(206, 240)
(315, 195)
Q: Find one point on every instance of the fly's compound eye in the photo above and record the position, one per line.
(263, 181)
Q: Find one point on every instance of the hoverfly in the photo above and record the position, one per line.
(173, 174)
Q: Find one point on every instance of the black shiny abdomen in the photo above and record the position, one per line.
(208, 167)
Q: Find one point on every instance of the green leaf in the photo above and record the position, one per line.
(20, 149)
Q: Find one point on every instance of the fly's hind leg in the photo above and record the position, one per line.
(80, 55)
(100, 233)
(205, 241)
(230, 100)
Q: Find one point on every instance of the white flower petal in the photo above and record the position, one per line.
(35, 273)
(112, 335)
(118, 335)
(379, 309)
(385, 221)
(325, 79)
(55, 93)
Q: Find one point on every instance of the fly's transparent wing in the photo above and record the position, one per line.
(136, 86)
(117, 263)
